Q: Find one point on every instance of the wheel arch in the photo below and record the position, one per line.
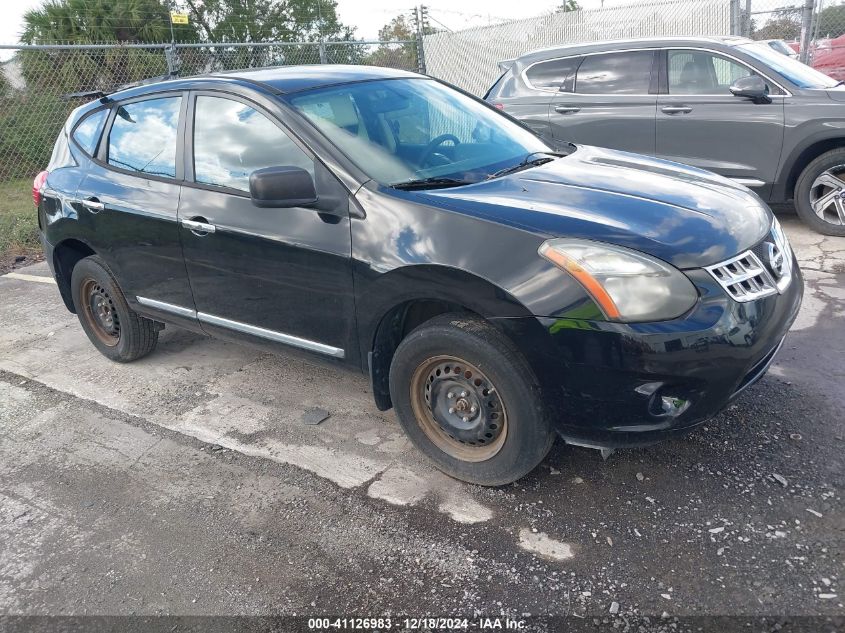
(66, 254)
(799, 159)
(405, 298)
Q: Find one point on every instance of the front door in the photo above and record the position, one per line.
(129, 199)
(612, 103)
(281, 275)
(700, 123)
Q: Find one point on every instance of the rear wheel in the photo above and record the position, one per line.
(116, 330)
(468, 399)
(820, 193)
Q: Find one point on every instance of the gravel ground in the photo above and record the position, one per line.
(187, 484)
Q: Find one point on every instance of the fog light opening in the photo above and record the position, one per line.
(669, 406)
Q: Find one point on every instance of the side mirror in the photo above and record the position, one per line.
(284, 186)
(752, 87)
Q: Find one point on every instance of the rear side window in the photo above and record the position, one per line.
(143, 136)
(232, 140)
(87, 133)
(615, 73)
(555, 74)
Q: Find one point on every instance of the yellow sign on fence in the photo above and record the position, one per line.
(178, 18)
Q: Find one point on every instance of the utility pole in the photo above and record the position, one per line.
(806, 30)
(746, 27)
(421, 26)
(322, 43)
(736, 18)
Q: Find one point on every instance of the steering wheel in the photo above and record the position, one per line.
(436, 142)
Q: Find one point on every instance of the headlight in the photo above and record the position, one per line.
(627, 285)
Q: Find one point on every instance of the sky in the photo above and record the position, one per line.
(368, 16)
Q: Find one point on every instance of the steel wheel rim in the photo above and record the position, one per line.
(100, 313)
(827, 196)
(444, 390)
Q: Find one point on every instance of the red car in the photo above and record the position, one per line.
(827, 56)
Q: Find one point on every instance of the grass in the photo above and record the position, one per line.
(18, 220)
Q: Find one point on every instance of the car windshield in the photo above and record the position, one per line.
(400, 131)
(800, 74)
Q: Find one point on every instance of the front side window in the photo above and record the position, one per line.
(232, 140)
(703, 73)
(143, 136)
(555, 74)
(624, 73)
(399, 130)
(87, 133)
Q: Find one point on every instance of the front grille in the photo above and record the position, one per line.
(744, 277)
(764, 270)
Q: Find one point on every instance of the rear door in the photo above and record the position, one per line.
(73, 149)
(700, 123)
(277, 274)
(529, 96)
(611, 103)
(129, 199)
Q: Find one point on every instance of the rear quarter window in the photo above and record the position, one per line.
(61, 156)
(555, 74)
(87, 133)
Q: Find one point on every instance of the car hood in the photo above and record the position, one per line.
(683, 215)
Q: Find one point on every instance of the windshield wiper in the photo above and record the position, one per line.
(430, 183)
(527, 162)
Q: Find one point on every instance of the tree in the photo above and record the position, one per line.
(403, 54)
(785, 24)
(268, 20)
(831, 21)
(568, 5)
(102, 21)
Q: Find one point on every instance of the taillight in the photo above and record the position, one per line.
(39, 181)
(499, 106)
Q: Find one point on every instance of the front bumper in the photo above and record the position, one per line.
(611, 385)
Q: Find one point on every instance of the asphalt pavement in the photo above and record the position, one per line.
(188, 483)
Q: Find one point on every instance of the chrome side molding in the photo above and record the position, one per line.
(748, 182)
(253, 330)
(167, 307)
(272, 335)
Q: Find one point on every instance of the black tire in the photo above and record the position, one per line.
(130, 336)
(804, 189)
(524, 438)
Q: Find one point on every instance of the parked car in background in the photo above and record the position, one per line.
(496, 291)
(828, 56)
(724, 104)
(781, 47)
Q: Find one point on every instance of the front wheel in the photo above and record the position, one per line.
(820, 194)
(467, 398)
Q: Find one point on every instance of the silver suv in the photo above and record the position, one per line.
(725, 104)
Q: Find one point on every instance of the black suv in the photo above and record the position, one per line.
(497, 290)
(725, 104)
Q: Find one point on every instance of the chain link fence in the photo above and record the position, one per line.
(35, 81)
(811, 30)
(469, 58)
